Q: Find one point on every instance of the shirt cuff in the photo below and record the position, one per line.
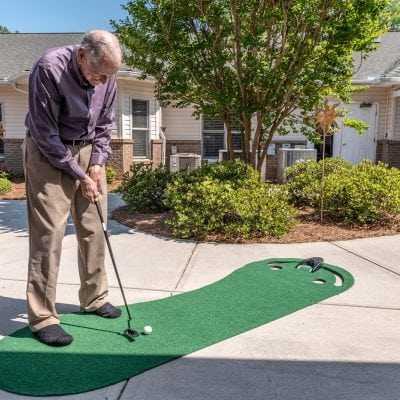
(76, 171)
(98, 159)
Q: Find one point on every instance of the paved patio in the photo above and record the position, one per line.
(347, 347)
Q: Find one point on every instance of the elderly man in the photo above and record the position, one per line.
(72, 92)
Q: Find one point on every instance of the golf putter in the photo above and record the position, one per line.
(314, 263)
(129, 333)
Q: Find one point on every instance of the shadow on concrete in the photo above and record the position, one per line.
(13, 314)
(13, 219)
(159, 376)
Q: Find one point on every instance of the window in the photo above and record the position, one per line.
(140, 128)
(1, 131)
(214, 136)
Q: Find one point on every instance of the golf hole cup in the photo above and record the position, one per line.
(147, 330)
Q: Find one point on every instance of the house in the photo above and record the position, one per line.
(146, 132)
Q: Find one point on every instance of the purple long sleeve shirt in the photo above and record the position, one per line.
(64, 105)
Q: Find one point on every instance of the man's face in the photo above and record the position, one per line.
(95, 74)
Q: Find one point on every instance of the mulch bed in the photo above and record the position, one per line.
(308, 229)
(17, 192)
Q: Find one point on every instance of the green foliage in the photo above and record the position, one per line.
(304, 179)
(227, 198)
(4, 175)
(3, 29)
(362, 194)
(5, 185)
(111, 173)
(359, 125)
(143, 188)
(242, 57)
(394, 12)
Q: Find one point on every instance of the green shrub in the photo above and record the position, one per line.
(304, 179)
(143, 188)
(227, 198)
(111, 173)
(4, 172)
(364, 194)
(5, 185)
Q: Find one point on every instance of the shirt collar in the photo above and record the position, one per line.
(77, 71)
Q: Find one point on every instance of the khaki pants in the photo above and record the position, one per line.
(51, 195)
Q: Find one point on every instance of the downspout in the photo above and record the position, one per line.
(163, 144)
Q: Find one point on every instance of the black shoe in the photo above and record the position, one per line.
(53, 335)
(107, 310)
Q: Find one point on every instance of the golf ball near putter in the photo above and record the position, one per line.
(147, 330)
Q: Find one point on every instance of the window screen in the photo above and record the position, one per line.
(140, 124)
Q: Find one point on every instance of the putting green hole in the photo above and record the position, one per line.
(338, 279)
(319, 281)
(276, 267)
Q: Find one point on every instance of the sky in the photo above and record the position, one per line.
(58, 15)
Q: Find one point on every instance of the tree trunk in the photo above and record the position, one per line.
(246, 122)
(256, 141)
(263, 155)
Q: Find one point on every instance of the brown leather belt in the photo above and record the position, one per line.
(78, 142)
(73, 142)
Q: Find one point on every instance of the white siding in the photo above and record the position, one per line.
(128, 90)
(180, 124)
(381, 96)
(15, 107)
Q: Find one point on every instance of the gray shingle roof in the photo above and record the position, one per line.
(19, 51)
(383, 61)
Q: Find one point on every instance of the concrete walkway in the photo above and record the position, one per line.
(347, 347)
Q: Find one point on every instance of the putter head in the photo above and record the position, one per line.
(314, 263)
(131, 334)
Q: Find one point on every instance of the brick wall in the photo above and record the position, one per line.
(388, 151)
(122, 155)
(156, 152)
(13, 156)
(121, 158)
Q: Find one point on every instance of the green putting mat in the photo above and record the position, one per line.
(99, 356)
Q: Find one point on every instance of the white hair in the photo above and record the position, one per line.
(99, 44)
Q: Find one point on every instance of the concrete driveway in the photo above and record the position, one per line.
(347, 347)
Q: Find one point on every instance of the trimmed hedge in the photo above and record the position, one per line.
(5, 185)
(143, 188)
(304, 179)
(227, 198)
(362, 194)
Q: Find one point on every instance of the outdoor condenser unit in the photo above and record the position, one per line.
(181, 161)
(288, 157)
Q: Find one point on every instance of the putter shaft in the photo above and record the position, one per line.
(113, 262)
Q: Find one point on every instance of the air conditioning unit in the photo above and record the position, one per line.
(184, 161)
(223, 154)
(288, 157)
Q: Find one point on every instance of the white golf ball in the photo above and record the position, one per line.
(147, 330)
